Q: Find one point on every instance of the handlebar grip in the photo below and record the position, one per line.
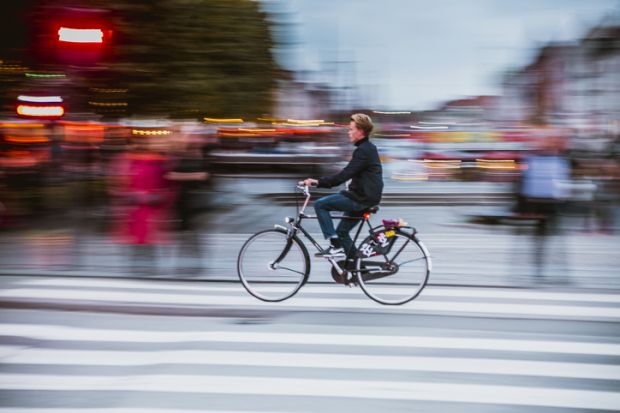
(301, 184)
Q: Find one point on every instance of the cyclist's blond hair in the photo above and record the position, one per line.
(363, 122)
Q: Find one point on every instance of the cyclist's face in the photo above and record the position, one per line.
(355, 133)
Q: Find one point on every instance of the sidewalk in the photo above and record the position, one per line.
(463, 254)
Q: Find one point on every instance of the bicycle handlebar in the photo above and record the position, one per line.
(305, 188)
(306, 191)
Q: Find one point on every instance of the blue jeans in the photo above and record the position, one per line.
(338, 202)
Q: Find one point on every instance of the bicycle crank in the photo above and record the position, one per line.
(344, 277)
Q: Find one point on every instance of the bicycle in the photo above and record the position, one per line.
(274, 264)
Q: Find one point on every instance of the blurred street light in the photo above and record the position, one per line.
(49, 107)
(69, 35)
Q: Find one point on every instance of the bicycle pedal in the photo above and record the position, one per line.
(340, 279)
(352, 282)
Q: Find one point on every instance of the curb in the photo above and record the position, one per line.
(409, 199)
(234, 280)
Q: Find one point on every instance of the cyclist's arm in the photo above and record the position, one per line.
(357, 164)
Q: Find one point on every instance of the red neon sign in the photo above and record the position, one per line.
(69, 35)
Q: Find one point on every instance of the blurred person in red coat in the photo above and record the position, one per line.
(142, 199)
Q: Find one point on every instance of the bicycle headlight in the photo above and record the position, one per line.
(289, 220)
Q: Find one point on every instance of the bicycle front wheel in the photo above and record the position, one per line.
(273, 267)
(396, 276)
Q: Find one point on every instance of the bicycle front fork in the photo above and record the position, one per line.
(290, 233)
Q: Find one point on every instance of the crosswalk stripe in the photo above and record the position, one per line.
(287, 386)
(428, 291)
(314, 302)
(66, 333)
(122, 410)
(18, 355)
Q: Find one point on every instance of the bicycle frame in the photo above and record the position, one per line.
(295, 226)
(375, 257)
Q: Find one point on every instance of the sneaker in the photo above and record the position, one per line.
(331, 252)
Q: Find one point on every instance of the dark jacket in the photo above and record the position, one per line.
(365, 172)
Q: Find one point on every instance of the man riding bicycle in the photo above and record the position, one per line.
(363, 191)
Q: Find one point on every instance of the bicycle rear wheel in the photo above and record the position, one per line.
(399, 275)
(272, 267)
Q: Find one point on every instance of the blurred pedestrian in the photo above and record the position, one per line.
(542, 191)
(82, 170)
(142, 201)
(189, 176)
(606, 196)
(364, 190)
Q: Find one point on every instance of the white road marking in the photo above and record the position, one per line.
(16, 355)
(334, 289)
(286, 386)
(513, 309)
(65, 333)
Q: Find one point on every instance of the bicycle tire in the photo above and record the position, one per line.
(398, 284)
(256, 269)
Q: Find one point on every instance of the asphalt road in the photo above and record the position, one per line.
(81, 331)
(119, 345)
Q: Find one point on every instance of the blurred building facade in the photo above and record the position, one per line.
(574, 85)
(300, 100)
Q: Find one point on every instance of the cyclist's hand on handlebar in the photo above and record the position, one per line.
(309, 182)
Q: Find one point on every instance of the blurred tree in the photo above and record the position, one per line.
(194, 57)
(14, 42)
(14, 29)
(183, 58)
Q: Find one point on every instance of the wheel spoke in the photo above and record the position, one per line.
(413, 260)
(395, 283)
(259, 275)
(290, 269)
